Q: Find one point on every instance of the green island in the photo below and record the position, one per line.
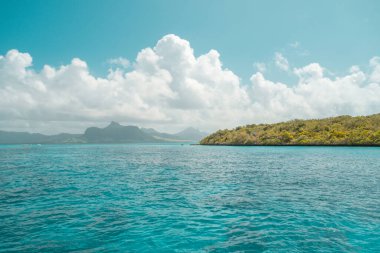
(335, 131)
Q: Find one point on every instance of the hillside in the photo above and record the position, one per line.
(342, 130)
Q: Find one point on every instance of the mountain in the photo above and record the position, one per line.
(116, 133)
(113, 133)
(159, 135)
(191, 133)
(35, 138)
(342, 130)
(20, 137)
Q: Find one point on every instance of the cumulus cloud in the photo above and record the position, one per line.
(311, 72)
(375, 65)
(168, 87)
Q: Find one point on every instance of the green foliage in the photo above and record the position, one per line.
(342, 130)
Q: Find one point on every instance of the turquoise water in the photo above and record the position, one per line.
(174, 198)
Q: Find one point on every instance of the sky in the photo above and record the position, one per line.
(67, 65)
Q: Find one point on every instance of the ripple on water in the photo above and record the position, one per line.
(173, 198)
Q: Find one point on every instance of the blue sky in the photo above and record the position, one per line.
(336, 34)
(207, 64)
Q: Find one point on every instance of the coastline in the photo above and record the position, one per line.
(289, 145)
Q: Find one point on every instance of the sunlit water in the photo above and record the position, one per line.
(182, 198)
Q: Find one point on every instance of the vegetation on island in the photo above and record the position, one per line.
(342, 130)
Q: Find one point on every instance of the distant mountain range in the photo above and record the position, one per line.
(113, 133)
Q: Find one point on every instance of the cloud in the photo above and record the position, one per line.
(310, 72)
(119, 61)
(281, 61)
(169, 87)
(260, 67)
(375, 75)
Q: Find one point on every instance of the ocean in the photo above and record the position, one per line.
(189, 198)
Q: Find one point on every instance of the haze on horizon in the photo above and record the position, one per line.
(164, 81)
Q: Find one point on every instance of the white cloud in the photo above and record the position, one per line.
(281, 61)
(119, 61)
(375, 65)
(168, 87)
(310, 72)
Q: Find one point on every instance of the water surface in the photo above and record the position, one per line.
(174, 198)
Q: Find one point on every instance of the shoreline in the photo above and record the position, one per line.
(291, 145)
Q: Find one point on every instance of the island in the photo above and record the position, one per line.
(334, 131)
